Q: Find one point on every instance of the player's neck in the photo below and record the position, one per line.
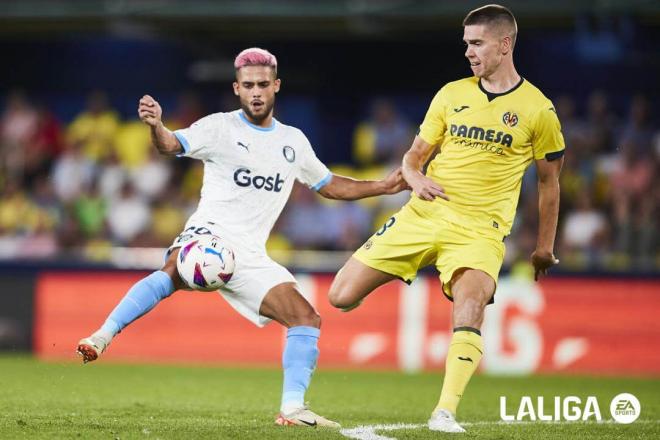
(502, 80)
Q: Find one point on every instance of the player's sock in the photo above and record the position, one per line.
(142, 297)
(465, 351)
(299, 360)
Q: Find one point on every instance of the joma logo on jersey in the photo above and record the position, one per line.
(242, 177)
(480, 134)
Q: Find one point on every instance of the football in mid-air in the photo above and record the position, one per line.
(206, 263)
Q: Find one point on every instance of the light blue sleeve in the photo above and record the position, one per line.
(312, 172)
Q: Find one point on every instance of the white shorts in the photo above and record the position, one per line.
(255, 273)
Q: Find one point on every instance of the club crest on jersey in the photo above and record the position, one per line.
(289, 153)
(510, 119)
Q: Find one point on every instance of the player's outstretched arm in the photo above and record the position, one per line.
(346, 188)
(163, 139)
(413, 161)
(543, 257)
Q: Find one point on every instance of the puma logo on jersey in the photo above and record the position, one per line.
(241, 144)
(242, 177)
(461, 108)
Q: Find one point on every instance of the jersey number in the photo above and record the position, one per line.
(188, 233)
(388, 224)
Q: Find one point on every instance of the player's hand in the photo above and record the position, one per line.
(149, 111)
(542, 261)
(426, 189)
(394, 182)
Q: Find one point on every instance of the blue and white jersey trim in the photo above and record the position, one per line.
(183, 141)
(256, 127)
(323, 182)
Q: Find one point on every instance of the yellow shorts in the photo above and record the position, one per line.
(409, 241)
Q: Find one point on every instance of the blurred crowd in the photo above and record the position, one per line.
(95, 182)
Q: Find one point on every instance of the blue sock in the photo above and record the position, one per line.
(142, 297)
(299, 360)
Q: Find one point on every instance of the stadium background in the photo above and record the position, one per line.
(86, 207)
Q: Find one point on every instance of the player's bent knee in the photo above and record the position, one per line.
(340, 296)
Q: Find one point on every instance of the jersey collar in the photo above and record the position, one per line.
(256, 127)
(491, 95)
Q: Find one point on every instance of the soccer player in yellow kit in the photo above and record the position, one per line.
(488, 128)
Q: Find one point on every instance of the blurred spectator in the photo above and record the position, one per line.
(168, 217)
(638, 129)
(353, 223)
(89, 210)
(46, 201)
(18, 215)
(109, 187)
(585, 228)
(308, 223)
(73, 172)
(383, 138)
(601, 125)
(18, 128)
(95, 128)
(132, 143)
(44, 147)
(128, 215)
(151, 177)
(111, 175)
(633, 199)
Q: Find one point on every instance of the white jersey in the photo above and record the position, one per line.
(248, 173)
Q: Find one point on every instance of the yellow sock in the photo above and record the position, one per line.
(465, 351)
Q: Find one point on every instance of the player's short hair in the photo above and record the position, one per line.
(494, 15)
(255, 56)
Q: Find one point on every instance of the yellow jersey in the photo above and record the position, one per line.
(486, 142)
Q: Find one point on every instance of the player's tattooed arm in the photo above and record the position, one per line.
(346, 188)
(413, 162)
(543, 257)
(163, 139)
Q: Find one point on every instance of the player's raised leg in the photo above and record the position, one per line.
(286, 305)
(471, 290)
(354, 282)
(140, 299)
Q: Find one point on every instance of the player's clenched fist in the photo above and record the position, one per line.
(149, 111)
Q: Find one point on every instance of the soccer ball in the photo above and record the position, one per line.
(206, 263)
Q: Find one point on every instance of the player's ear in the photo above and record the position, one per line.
(506, 44)
(235, 88)
(277, 84)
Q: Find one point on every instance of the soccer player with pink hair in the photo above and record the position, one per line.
(251, 161)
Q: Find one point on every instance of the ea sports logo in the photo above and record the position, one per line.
(510, 119)
(625, 408)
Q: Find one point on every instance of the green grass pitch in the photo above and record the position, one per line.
(117, 401)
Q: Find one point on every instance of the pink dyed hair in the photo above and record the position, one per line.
(255, 56)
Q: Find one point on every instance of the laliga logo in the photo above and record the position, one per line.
(568, 408)
(625, 408)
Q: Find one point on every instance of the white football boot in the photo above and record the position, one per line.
(444, 421)
(90, 348)
(305, 417)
